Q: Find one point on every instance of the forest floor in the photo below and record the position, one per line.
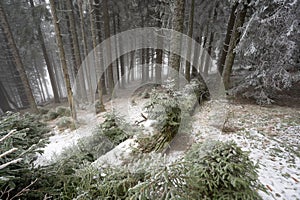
(270, 134)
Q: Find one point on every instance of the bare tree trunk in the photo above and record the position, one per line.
(4, 99)
(177, 25)
(85, 50)
(75, 50)
(230, 25)
(122, 57)
(98, 25)
(63, 59)
(46, 57)
(117, 62)
(235, 37)
(101, 107)
(40, 83)
(132, 62)
(108, 47)
(196, 57)
(211, 39)
(17, 59)
(190, 34)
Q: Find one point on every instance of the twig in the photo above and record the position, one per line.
(24, 189)
(9, 134)
(8, 152)
(10, 163)
(145, 119)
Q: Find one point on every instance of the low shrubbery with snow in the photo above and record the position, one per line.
(122, 160)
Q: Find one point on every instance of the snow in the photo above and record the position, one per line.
(118, 155)
(270, 135)
(269, 141)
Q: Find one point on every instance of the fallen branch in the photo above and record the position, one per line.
(8, 152)
(7, 135)
(10, 163)
(145, 119)
(26, 189)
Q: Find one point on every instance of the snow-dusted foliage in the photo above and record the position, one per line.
(270, 48)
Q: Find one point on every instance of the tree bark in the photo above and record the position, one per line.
(230, 25)
(63, 59)
(235, 37)
(46, 57)
(177, 25)
(4, 99)
(196, 57)
(132, 63)
(189, 50)
(86, 51)
(210, 43)
(98, 25)
(108, 46)
(101, 107)
(17, 59)
(122, 56)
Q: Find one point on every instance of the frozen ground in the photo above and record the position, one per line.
(270, 134)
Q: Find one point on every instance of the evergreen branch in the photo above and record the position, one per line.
(8, 152)
(6, 136)
(10, 163)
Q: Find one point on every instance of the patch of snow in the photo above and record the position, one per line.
(117, 156)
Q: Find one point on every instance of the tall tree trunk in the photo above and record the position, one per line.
(40, 83)
(235, 38)
(57, 76)
(196, 57)
(63, 59)
(211, 39)
(46, 57)
(189, 50)
(21, 95)
(17, 59)
(204, 47)
(230, 25)
(122, 56)
(159, 52)
(98, 25)
(85, 50)
(4, 99)
(117, 62)
(101, 107)
(177, 25)
(132, 63)
(108, 46)
(76, 49)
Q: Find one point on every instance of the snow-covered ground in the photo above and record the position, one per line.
(271, 135)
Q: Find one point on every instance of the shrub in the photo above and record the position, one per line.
(27, 139)
(99, 107)
(170, 109)
(213, 170)
(72, 175)
(63, 111)
(221, 171)
(51, 115)
(43, 111)
(115, 128)
(65, 123)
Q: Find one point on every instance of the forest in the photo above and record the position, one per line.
(149, 99)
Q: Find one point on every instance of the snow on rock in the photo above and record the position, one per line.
(118, 155)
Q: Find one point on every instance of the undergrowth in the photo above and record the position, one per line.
(213, 170)
(22, 137)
